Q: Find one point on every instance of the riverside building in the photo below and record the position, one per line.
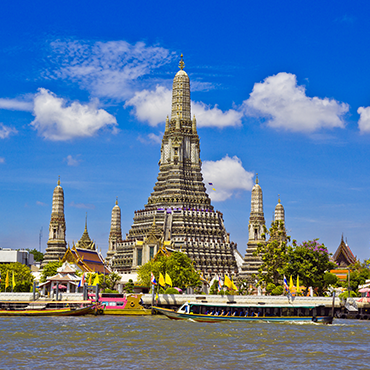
(179, 213)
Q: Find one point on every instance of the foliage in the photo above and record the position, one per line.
(273, 255)
(129, 287)
(277, 290)
(270, 287)
(214, 288)
(50, 269)
(344, 295)
(107, 290)
(108, 281)
(310, 260)
(330, 279)
(38, 256)
(178, 266)
(22, 276)
(170, 290)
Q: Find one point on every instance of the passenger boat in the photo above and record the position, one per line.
(72, 309)
(211, 312)
(121, 304)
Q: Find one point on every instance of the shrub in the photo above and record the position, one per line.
(277, 290)
(171, 291)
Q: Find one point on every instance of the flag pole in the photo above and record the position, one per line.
(153, 294)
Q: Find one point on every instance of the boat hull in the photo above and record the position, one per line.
(173, 315)
(127, 311)
(51, 312)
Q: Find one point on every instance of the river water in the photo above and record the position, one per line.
(155, 342)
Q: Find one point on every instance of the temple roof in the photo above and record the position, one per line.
(86, 260)
(343, 255)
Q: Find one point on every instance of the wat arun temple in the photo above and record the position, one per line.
(179, 215)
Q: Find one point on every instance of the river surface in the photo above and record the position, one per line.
(155, 342)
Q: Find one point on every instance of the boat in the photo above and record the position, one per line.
(121, 304)
(211, 312)
(47, 309)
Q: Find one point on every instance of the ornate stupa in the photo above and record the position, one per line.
(115, 235)
(256, 233)
(85, 242)
(56, 245)
(179, 206)
(279, 218)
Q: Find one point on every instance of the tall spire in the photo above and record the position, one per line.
(115, 235)
(279, 211)
(179, 205)
(56, 245)
(181, 95)
(256, 226)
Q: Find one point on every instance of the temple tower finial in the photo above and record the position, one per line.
(58, 179)
(257, 178)
(116, 201)
(181, 64)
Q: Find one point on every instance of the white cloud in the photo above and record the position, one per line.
(82, 205)
(2, 160)
(41, 203)
(151, 139)
(154, 106)
(55, 120)
(215, 117)
(107, 69)
(286, 106)
(151, 106)
(227, 176)
(364, 121)
(16, 104)
(6, 131)
(72, 161)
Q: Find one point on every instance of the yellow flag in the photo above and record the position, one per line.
(96, 280)
(90, 278)
(168, 280)
(228, 282)
(161, 280)
(233, 285)
(7, 280)
(291, 285)
(298, 290)
(13, 280)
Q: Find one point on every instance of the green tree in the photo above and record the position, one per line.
(310, 260)
(129, 287)
(178, 266)
(359, 273)
(273, 255)
(22, 276)
(50, 269)
(112, 279)
(38, 256)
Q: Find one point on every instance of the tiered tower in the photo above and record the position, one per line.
(85, 242)
(115, 235)
(256, 233)
(279, 218)
(56, 245)
(179, 204)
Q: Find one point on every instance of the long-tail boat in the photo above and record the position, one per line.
(47, 310)
(211, 312)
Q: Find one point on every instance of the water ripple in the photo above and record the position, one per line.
(111, 342)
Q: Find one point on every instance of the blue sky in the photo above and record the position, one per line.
(281, 89)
